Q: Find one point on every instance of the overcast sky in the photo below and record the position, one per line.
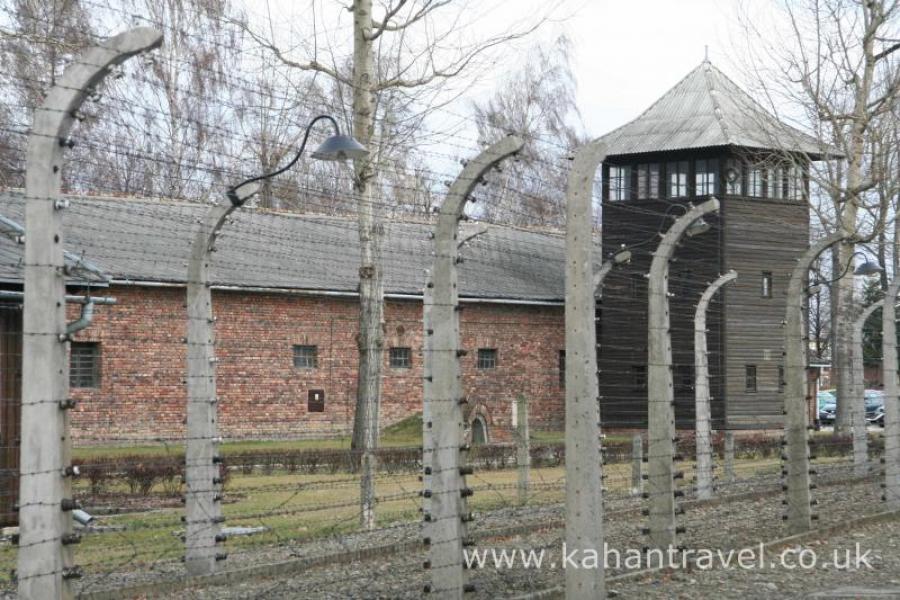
(629, 52)
(626, 53)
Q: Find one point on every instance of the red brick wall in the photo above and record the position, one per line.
(262, 395)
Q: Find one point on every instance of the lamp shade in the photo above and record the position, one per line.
(867, 268)
(697, 227)
(340, 147)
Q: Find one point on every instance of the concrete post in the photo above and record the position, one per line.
(427, 397)
(203, 489)
(637, 458)
(447, 522)
(660, 395)
(891, 406)
(584, 492)
(729, 456)
(45, 559)
(858, 402)
(701, 390)
(523, 447)
(428, 394)
(799, 515)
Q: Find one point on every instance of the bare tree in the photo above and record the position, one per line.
(39, 39)
(537, 102)
(833, 69)
(404, 54)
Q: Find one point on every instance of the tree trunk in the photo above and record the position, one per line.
(844, 307)
(371, 286)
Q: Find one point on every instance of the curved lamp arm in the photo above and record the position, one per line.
(238, 198)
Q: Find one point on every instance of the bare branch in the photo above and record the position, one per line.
(429, 7)
(312, 65)
(458, 66)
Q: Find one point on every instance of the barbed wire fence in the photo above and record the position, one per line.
(223, 379)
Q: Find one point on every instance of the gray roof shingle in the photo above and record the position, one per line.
(149, 241)
(707, 109)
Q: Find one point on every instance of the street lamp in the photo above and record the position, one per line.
(203, 511)
(338, 147)
(866, 269)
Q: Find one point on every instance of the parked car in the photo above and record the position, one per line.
(875, 407)
(827, 401)
(874, 403)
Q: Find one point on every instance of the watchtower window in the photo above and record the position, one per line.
(795, 183)
(776, 183)
(678, 178)
(766, 284)
(750, 379)
(639, 377)
(705, 177)
(755, 182)
(619, 183)
(648, 181)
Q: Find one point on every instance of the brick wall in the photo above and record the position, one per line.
(263, 395)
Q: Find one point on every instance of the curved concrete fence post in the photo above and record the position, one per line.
(660, 393)
(45, 560)
(446, 524)
(584, 492)
(796, 433)
(703, 414)
(203, 488)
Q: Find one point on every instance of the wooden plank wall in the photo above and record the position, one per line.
(10, 409)
(622, 324)
(760, 235)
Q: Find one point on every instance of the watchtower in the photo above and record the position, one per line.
(704, 137)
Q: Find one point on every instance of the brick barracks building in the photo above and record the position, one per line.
(286, 311)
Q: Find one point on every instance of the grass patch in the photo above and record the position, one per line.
(407, 432)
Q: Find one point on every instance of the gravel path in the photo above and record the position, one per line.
(731, 525)
(882, 540)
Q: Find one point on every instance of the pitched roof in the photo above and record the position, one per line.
(144, 240)
(707, 109)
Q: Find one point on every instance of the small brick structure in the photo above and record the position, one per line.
(142, 394)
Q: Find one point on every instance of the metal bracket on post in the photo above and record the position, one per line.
(703, 413)
(799, 515)
(858, 404)
(203, 506)
(584, 491)
(660, 395)
(621, 257)
(891, 405)
(46, 444)
(447, 528)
